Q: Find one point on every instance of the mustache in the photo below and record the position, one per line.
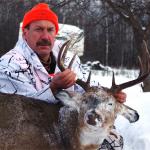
(43, 43)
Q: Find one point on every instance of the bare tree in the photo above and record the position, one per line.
(136, 13)
(105, 31)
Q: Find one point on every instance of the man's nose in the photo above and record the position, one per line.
(45, 35)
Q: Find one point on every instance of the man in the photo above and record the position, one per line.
(25, 70)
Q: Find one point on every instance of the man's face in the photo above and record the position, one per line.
(40, 36)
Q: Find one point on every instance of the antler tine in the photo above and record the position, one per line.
(83, 84)
(116, 88)
(60, 62)
(71, 62)
(142, 75)
(113, 79)
(89, 78)
(62, 54)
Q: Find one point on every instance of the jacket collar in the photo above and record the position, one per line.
(23, 48)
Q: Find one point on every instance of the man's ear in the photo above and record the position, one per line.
(24, 32)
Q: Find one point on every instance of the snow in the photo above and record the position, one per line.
(136, 135)
(67, 32)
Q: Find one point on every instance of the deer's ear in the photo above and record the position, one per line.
(66, 98)
(129, 113)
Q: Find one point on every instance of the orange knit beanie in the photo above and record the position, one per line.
(40, 12)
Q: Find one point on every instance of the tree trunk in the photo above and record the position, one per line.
(143, 52)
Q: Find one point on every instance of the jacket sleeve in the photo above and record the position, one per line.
(12, 85)
(14, 80)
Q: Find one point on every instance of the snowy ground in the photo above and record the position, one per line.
(136, 135)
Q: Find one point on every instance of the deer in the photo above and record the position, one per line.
(97, 107)
(80, 121)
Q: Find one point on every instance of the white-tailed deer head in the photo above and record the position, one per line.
(97, 107)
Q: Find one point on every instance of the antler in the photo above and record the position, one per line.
(60, 62)
(86, 85)
(116, 88)
(142, 76)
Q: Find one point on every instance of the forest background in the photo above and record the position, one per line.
(114, 30)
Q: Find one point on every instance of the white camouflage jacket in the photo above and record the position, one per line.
(22, 73)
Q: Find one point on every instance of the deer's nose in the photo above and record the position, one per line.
(93, 118)
(136, 117)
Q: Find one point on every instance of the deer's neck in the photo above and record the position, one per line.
(92, 138)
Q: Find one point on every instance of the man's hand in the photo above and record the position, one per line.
(121, 96)
(63, 80)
